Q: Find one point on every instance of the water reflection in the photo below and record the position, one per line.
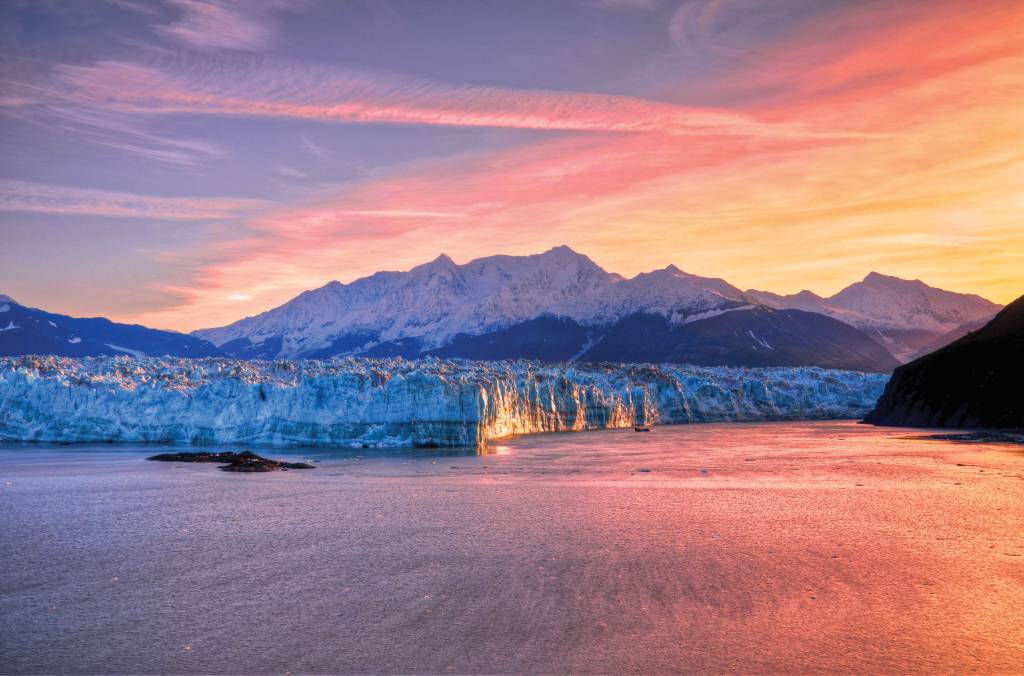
(764, 548)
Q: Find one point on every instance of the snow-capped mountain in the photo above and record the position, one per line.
(560, 305)
(429, 305)
(25, 330)
(904, 315)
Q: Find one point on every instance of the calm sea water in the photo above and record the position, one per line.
(753, 547)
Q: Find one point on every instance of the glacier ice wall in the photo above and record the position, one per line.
(394, 402)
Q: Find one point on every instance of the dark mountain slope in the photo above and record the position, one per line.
(26, 330)
(975, 381)
(548, 338)
(759, 336)
(945, 339)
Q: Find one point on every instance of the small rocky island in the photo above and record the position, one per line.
(973, 382)
(246, 461)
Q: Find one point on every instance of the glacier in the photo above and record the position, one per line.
(394, 402)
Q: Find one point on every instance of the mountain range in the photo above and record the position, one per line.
(908, 317)
(25, 330)
(559, 306)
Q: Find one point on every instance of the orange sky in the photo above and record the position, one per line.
(882, 137)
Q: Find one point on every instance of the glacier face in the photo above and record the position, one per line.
(394, 402)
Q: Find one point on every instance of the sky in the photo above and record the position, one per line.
(185, 163)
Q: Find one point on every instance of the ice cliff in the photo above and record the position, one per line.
(394, 402)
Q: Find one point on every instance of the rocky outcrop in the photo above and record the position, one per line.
(246, 461)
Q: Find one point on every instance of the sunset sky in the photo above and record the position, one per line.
(186, 163)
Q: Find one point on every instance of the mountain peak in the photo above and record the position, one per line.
(565, 256)
(670, 274)
(442, 263)
(563, 248)
(564, 252)
(7, 299)
(878, 279)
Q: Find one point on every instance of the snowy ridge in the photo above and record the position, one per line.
(393, 402)
(415, 312)
(437, 300)
(884, 302)
(887, 308)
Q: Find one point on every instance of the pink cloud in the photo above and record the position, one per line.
(859, 53)
(261, 88)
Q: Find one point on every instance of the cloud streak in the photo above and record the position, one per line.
(39, 102)
(261, 88)
(120, 131)
(25, 196)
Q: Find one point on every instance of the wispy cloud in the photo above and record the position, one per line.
(123, 132)
(936, 173)
(625, 4)
(263, 88)
(113, 103)
(315, 149)
(854, 53)
(32, 96)
(727, 27)
(400, 213)
(290, 172)
(54, 199)
(139, 6)
(223, 24)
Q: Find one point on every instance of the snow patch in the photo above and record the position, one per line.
(689, 319)
(591, 342)
(126, 350)
(5, 308)
(763, 343)
(10, 327)
(51, 324)
(75, 341)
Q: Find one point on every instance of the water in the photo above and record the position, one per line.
(740, 547)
